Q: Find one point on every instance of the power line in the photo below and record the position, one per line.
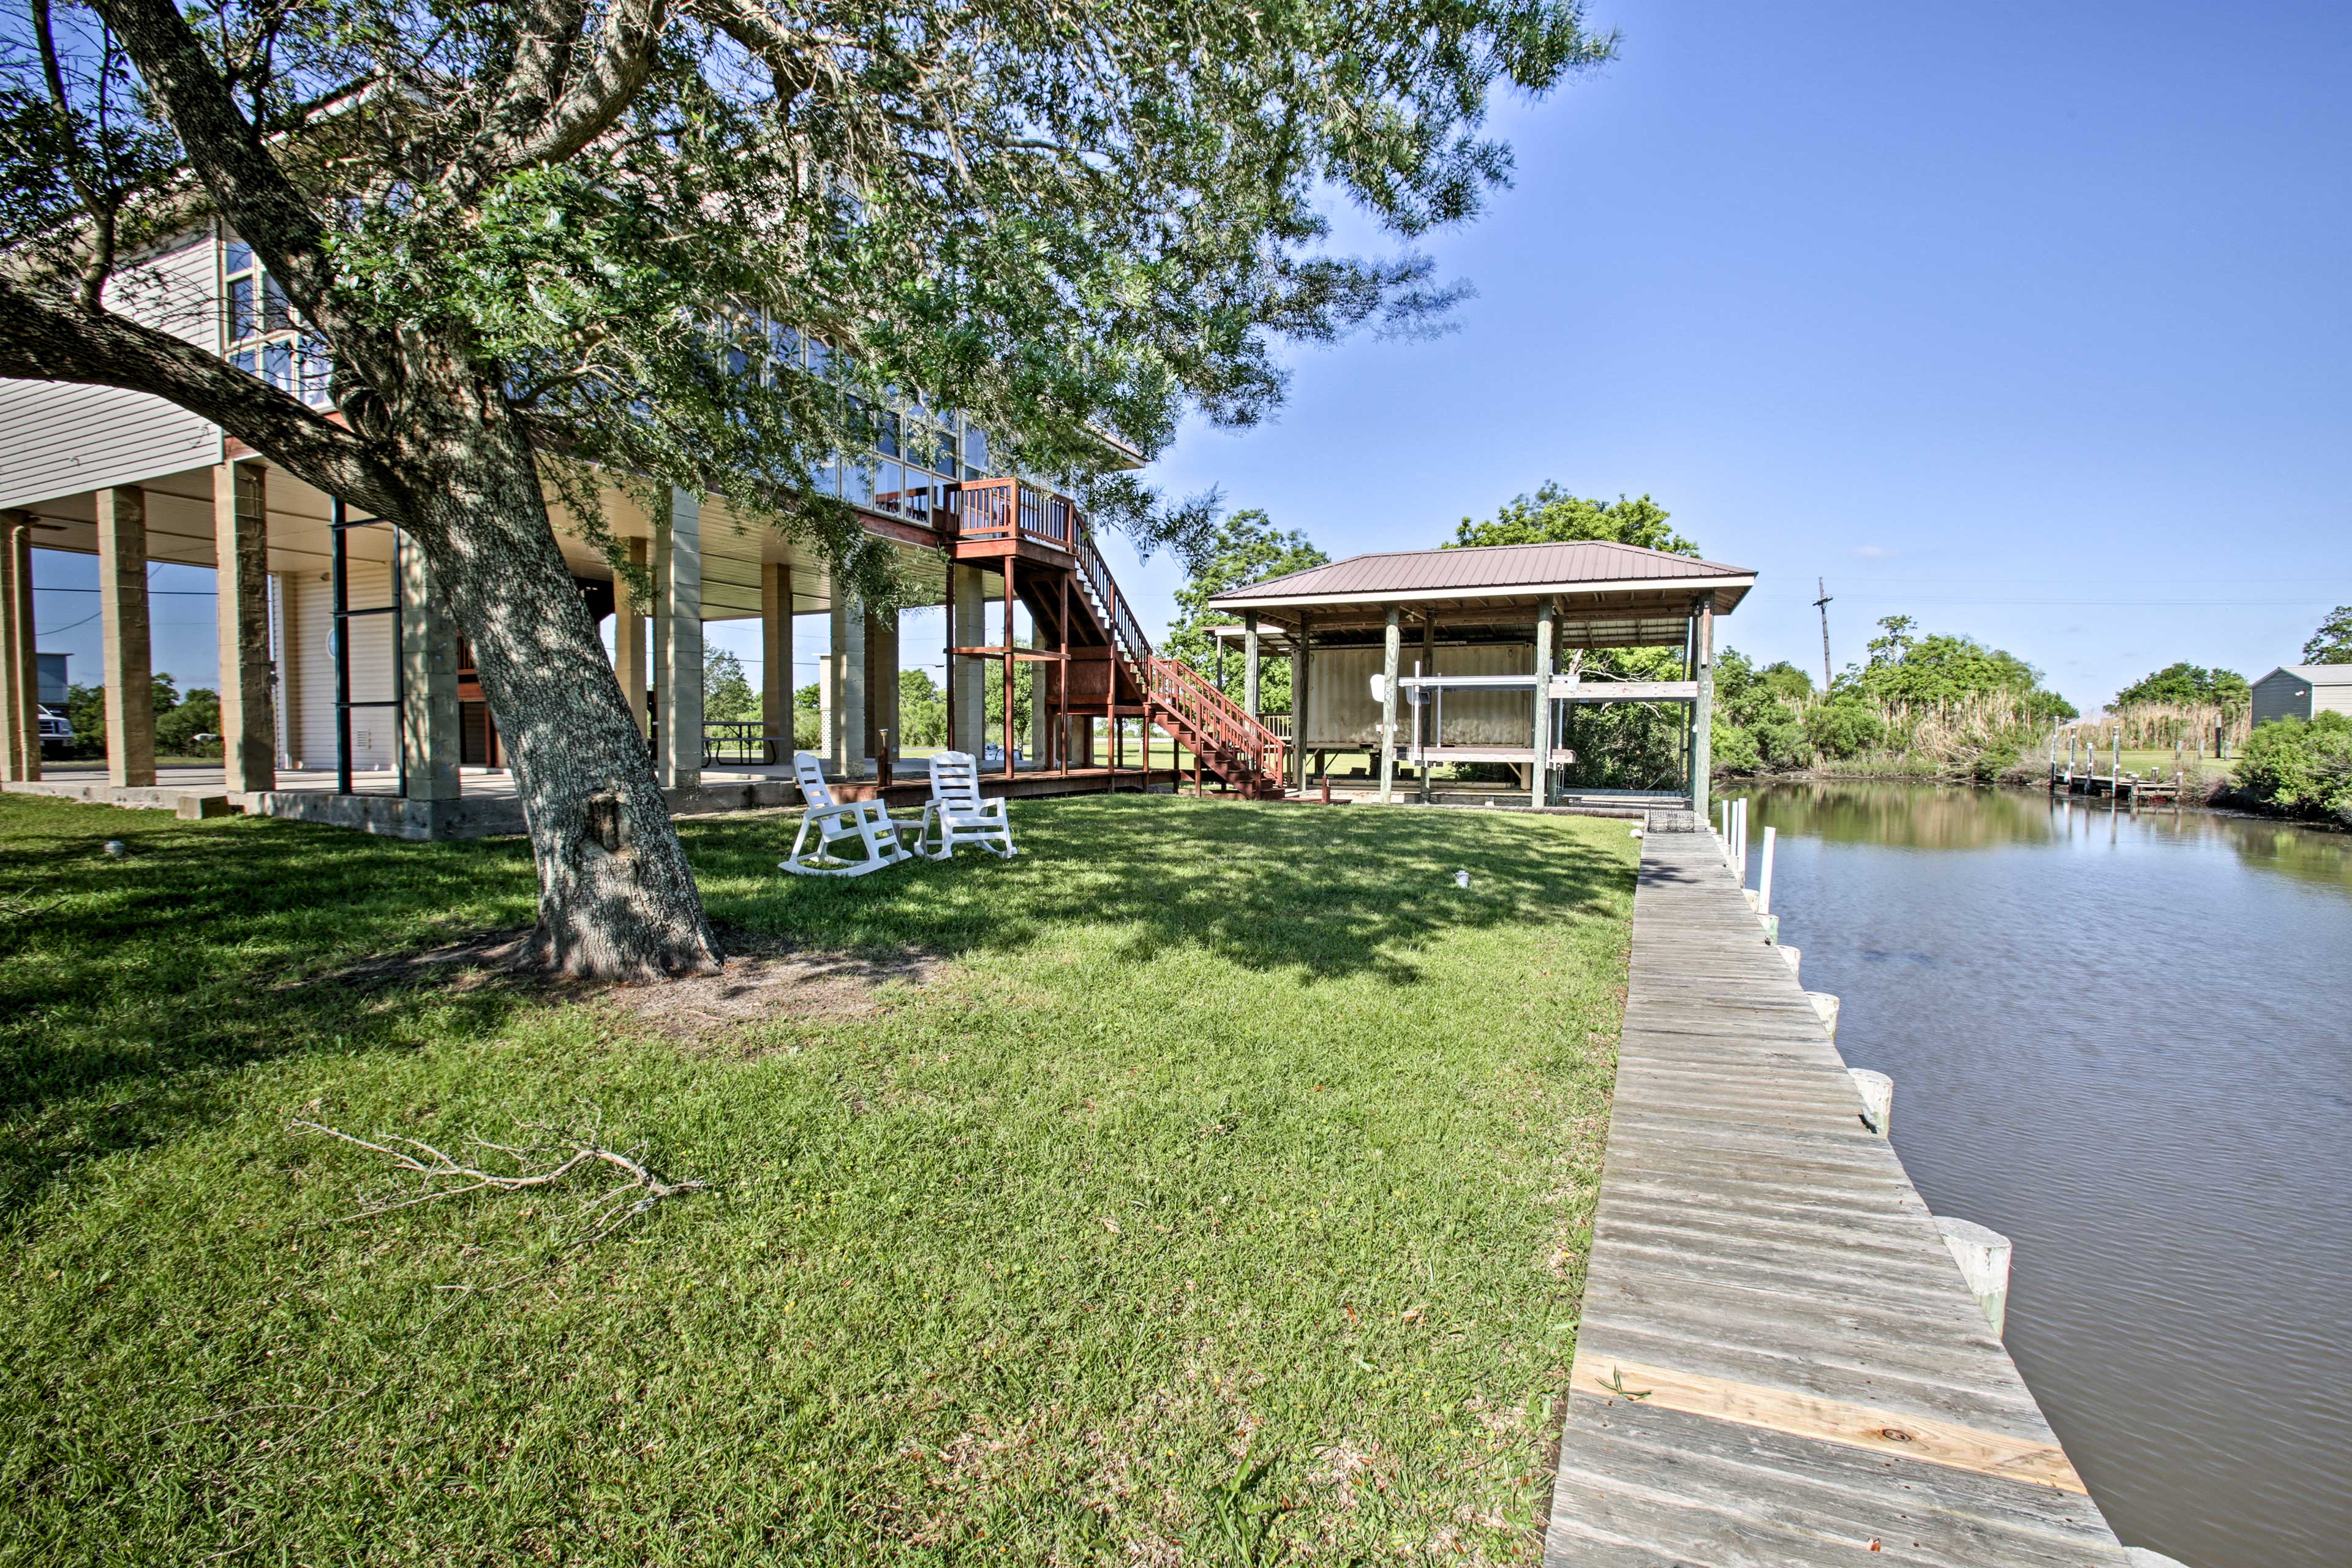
(59, 631)
(2123, 604)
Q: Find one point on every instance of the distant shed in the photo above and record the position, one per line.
(2301, 691)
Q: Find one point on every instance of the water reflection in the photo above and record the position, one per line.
(2125, 1041)
(1909, 816)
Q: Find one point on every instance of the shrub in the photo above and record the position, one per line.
(1781, 740)
(2301, 766)
(1843, 729)
(197, 714)
(1732, 748)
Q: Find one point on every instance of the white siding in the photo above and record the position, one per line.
(2332, 697)
(309, 671)
(60, 440)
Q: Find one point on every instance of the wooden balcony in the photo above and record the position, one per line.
(1005, 511)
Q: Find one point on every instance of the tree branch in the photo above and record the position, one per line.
(100, 205)
(43, 338)
(251, 191)
(625, 56)
(441, 1176)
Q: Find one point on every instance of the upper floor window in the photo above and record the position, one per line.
(265, 337)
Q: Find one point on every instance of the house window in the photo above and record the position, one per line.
(265, 338)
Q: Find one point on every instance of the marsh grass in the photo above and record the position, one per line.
(1218, 1194)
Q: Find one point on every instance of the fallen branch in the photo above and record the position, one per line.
(440, 1175)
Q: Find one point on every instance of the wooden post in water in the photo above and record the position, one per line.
(1764, 878)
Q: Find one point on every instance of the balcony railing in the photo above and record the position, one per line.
(1005, 508)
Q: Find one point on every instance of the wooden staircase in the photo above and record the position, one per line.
(1041, 542)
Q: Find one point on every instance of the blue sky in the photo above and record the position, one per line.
(2035, 322)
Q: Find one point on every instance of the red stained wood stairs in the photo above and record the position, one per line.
(1088, 646)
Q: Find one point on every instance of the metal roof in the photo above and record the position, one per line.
(2316, 674)
(1477, 571)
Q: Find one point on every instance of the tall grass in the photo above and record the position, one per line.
(2159, 724)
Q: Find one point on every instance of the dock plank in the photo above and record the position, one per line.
(1815, 1380)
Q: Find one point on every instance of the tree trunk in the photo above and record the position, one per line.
(617, 898)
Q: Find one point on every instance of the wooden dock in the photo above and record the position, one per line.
(1779, 1361)
(2123, 788)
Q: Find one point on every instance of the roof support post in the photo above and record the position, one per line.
(428, 678)
(241, 559)
(776, 660)
(967, 689)
(1539, 794)
(1249, 664)
(20, 670)
(1011, 669)
(678, 640)
(1391, 637)
(947, 657)
(844, 693)
(1703, 710)
(129, 663)
(882, 688)
(629, 635)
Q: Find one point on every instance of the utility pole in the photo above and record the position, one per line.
(1823, 604)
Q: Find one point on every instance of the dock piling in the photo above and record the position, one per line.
(1789, 956)
(1877, 1091)
(1764, 878)
(1827, 1004)
(1983, 1254)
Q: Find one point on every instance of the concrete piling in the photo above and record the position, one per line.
(1877, 1091)
(1827, 1005)
(1983, 1254)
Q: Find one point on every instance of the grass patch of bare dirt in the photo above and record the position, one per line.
(765, 980)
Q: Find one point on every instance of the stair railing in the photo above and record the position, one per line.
(1223, 733)
(1222, 729)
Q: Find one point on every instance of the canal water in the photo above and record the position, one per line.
(2124, 1042)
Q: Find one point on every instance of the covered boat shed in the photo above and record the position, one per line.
(1501, 631)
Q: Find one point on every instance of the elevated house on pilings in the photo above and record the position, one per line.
(346, 694)
(1428, 658)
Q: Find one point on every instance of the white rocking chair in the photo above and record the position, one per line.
(834, 822)
(958, 813)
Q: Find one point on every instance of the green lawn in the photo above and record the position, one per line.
(1222, 1197)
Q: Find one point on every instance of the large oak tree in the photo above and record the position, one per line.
(546, 238)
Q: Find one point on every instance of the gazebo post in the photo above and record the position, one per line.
(1540, 785)
(1299, 675)
(1428, 666)
(1390, 640)
(1703, 710)
(1249, 664)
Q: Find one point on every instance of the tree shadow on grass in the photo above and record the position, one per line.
(1318, 892)
(130, 990)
